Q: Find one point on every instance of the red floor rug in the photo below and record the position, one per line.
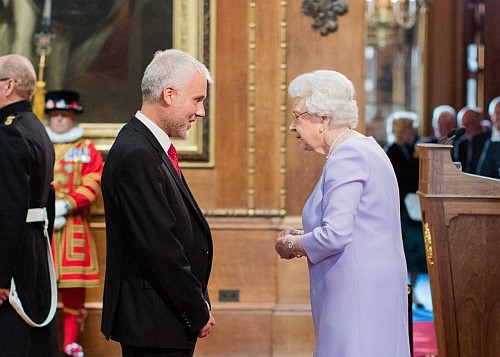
(424, 339)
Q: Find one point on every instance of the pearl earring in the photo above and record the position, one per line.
(321, 129)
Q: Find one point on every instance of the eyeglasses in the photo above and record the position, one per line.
(7, 79)
(296, 117)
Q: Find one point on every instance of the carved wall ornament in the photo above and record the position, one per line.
(324, 13)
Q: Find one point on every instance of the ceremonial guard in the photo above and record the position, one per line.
(77, 180)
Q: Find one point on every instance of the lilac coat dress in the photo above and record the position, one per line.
(357, 270)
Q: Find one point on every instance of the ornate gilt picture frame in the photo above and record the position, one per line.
(101, 51)
(192, 32)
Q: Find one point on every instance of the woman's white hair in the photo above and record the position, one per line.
(170, 68)
(327, 93)
(493, 104)
(396, 116)
(440, 110)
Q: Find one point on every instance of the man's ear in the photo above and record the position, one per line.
(168, 93)
(10, 88)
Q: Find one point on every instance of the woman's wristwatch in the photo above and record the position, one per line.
(290, 246)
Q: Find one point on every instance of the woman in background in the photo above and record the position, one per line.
(404, 159)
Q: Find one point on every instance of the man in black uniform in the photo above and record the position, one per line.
(26, 216)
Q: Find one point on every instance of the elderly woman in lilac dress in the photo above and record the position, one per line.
(352, 232)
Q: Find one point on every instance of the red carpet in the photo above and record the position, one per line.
(424, 339)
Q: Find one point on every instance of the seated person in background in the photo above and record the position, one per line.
(444, 120)
(472, 148)
(77, 181)
(492, 159)
(402, 155)
(494, 112)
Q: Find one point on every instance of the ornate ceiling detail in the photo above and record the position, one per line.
(324, 13)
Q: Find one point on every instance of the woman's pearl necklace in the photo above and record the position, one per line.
(334, 142)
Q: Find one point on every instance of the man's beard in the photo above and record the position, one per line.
(174, 129)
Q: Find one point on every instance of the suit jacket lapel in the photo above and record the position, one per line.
(139, 126)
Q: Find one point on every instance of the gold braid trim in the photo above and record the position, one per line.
(69, 311)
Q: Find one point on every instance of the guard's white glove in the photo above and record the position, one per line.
(59, 222)
(61, 208)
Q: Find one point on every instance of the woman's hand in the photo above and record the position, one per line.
(288, 244)
(282, 249)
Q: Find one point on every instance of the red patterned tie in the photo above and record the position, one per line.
(172, 154)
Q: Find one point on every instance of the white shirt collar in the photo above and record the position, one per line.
(159, 134)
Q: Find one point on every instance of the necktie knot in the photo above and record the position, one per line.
(174, 158)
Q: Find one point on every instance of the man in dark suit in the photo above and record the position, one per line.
(159, 246)
(26, 216)
(472, 148)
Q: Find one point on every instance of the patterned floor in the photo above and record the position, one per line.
(424, 338)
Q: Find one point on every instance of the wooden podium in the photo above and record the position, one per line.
(461, 223)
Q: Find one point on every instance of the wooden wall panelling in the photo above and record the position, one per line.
(224, 186)
(445, 57)
(239, 332)
(268, 56)
(492, 51)
(293, 334)
(245, 260)
(293, 282)
(446, 54)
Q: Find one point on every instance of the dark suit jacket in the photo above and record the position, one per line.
(26, 173)
(491, 165)
(159, 247)
(471, 152)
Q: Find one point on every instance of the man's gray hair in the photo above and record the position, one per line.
(21, 70)
(436, 113)
(173, 68)
(469, 108)
(493, 104)
(327, 93)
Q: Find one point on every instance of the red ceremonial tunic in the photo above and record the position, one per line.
(77, 180)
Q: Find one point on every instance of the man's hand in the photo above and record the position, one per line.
(4, 295)
(207, 329)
